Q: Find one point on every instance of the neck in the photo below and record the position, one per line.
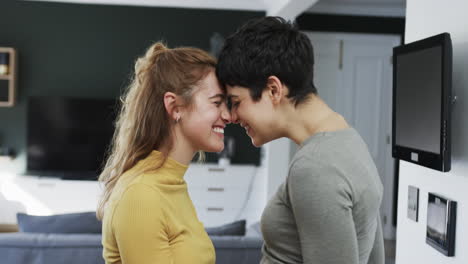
(312, 117)
(181, 151)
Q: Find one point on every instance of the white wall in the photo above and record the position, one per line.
(425, 18)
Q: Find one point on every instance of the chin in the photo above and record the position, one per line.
(257, 145)
(258, 142)
(214, 148)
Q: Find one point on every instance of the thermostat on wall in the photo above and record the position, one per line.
(441, 221)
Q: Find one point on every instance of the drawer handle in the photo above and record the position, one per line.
(216, 169)
(214, 189)
(215, 209)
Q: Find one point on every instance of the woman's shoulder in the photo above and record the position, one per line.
(314, 173)
(320, 173)
(134, 192)
(141, 189)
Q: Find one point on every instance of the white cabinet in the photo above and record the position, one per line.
(225, 194)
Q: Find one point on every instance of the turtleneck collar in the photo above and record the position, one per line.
(175, 168)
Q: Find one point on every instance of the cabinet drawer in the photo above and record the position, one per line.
(239, 176)
(218, 196)
(216, 216)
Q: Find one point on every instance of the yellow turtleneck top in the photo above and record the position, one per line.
(150, 218)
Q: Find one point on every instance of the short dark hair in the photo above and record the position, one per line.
(264, 47)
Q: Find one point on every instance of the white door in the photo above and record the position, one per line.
(327, 70)
(353, 74)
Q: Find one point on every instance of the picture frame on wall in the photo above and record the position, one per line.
(413, 203)
(441, 224)
(8, 76)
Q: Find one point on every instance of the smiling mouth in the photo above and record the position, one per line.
(218, 130)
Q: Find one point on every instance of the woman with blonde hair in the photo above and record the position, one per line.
(173, 108)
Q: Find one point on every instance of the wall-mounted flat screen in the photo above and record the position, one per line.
(422, 84)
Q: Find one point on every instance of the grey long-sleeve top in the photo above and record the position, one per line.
(327, 211)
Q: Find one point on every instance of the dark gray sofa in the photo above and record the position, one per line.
(40, 248)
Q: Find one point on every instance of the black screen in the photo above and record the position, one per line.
(418, 99)
(68, 137)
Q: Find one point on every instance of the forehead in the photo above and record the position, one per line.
(209, 85)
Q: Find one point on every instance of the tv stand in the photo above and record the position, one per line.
(42, 195)
(75, 176)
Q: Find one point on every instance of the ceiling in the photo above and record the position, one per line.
(285, 8)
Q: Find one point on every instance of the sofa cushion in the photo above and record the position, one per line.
(254, 230)
(60, 224)
(236, 228)
(87, 249)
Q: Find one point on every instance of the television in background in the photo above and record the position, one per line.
(422, 98)
(68, 137)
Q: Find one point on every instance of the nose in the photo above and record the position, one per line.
(234, 117)
(226, 115)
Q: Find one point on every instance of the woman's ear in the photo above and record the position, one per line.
(276, 89)
(172, 108)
